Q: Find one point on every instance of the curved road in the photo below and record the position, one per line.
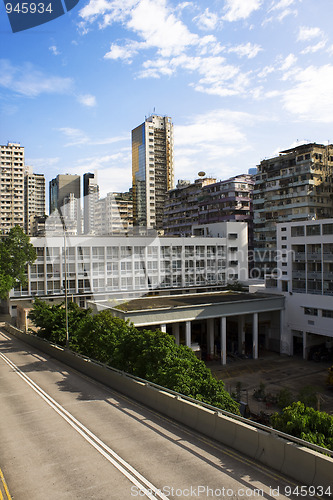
(65, 436)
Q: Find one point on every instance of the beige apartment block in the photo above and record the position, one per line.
(34, 199)
(11, 186)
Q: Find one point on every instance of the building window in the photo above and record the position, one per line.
(297, 231)
(327, 228)
(327, 313)
(313, 230)
(311, 311)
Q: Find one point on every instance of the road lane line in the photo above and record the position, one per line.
(124, 467)
(4, 484)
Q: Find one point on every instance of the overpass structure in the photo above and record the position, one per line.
(309, 464)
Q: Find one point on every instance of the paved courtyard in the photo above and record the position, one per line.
(276, 372)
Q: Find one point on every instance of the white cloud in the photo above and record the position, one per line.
(213, 142)
(305, 34)
(240, 9)
(282, 4)
(281, 9)
(311, 96)
(207, 20)
(249, 50)
(31, 82)
(124, 52)
(112, 168)
(54, 50)
(75, 136)
(311, 49)
(87, 100)
(40, 164)
(289, 61)
(160, 28)
(217, 77)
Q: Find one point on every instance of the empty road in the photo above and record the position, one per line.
(65, 436)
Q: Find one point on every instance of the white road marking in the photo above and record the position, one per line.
(124, 467)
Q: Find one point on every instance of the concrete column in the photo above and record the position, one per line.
(188, 333)
(223, 340)
(255, 335)
(210, 337)
(175, 332)
(163, 328)
(285, 335)
(241, 334)
(305, 338)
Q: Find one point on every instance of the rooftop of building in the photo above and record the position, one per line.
(304, 147)
(187, 300)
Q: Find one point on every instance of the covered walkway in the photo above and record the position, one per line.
(220, 322)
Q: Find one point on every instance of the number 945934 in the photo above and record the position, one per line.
(29, 8)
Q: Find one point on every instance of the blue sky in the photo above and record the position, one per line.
(241, 80)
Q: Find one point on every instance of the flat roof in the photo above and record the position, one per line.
(186, 300)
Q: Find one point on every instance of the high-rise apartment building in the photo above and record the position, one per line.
(11, 186)
(34, 199)
(91, 196)
(296, 185)
(114, 214)
(207, 201)
(65, 190)
(152, 170)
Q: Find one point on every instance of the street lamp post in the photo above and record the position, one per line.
(66, 289)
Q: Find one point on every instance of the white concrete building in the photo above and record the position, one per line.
(305, 276)
(109, 266)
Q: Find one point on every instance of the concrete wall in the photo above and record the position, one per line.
(300, 463)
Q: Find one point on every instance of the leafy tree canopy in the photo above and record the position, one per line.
(51, 320)
(305, 423)
(16, 252)
(151, 355)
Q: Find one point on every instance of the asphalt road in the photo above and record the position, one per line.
(64, 436)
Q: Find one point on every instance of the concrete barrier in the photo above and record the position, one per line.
(324, 472)
(270, 452)
(225, 429)
(300, 463)
(246, 439)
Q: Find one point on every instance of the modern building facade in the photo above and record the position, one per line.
(111, 266)
(11, 186)
(305, 277)
(65, 190)
(152, 170)
(34, 200)
(296, 185)
(91, 197)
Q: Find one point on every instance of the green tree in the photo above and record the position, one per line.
(99, 335)
(51, 321)
(151, 355)
(305, 423)
(16, 252)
